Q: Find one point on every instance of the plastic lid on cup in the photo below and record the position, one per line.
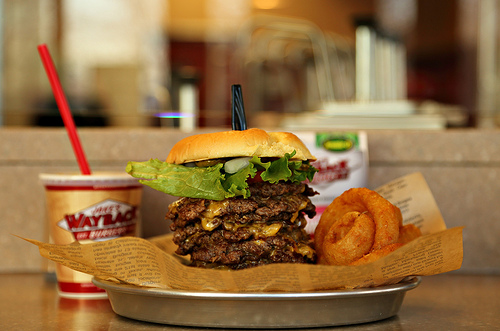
(114, 179)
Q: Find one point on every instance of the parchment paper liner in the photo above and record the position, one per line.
(153, 263)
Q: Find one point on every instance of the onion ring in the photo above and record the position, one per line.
(408, 232)
(354, 230)
(333, 232)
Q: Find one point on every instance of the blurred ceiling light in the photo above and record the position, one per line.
(266, 4)
(173, 115)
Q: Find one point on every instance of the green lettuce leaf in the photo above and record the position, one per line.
(277, 170)
(237, 183)
(211, 182)
(179, 180)
(284, 169)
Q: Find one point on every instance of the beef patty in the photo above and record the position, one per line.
(237, 233)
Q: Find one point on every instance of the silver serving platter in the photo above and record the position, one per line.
(257, 310)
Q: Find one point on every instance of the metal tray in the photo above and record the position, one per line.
(257, 310)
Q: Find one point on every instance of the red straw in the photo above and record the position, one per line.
(62, 103)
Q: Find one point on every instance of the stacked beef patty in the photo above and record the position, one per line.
(237, 233)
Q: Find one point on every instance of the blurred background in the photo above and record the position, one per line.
(302, 64)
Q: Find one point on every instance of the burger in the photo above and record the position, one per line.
(243, 201)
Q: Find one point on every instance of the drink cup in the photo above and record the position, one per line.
(87, 209)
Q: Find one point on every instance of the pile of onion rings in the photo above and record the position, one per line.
(359, 227)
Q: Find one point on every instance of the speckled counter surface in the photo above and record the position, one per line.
(442, 302)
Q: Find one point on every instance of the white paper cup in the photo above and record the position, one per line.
(89, 208)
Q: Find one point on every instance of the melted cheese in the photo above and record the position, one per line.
(209, 224)
(174, 205)
(266, 230)
(213, 210)
(296, 214)
(305, 250)
(257, 230)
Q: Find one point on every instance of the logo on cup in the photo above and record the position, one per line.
(105, 220)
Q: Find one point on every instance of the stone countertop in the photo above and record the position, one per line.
(442, 302)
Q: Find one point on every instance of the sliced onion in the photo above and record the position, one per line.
(235, 165)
